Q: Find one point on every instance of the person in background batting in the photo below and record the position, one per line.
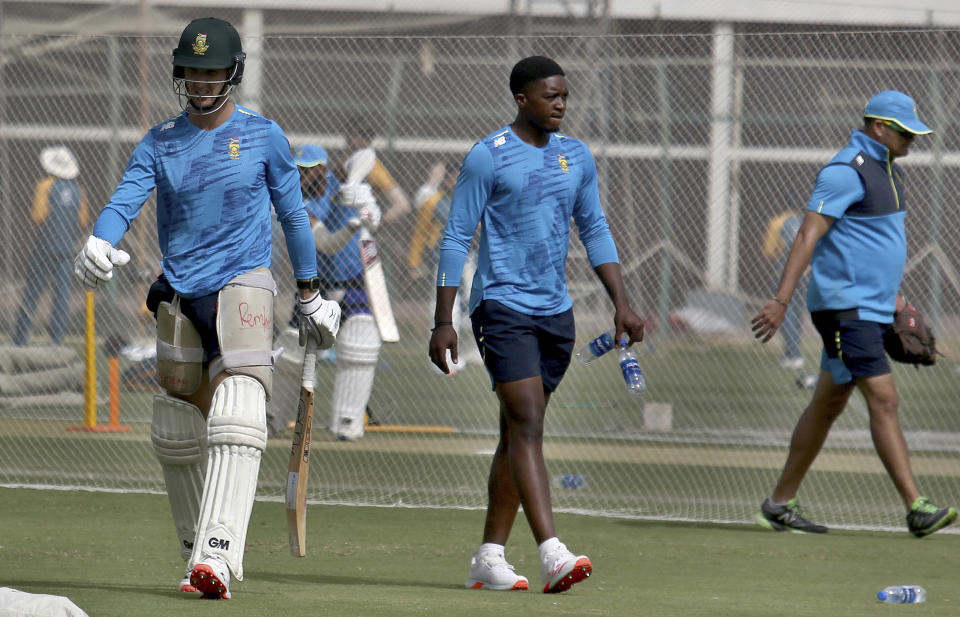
(522, 184)
(853, 238)
(216, 167)
(336, 230)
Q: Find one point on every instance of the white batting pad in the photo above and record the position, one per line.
(236, 438)
(358, 348)
(179, 436)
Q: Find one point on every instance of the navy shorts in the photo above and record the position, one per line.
(852, 347)
(202, 313)
(518, 346)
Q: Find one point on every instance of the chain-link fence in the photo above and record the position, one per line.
(700, 141)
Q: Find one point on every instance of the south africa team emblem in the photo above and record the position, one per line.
(234, 147)
(563, 163)
(200, 46)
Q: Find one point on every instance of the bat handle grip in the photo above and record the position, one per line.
(309, 364)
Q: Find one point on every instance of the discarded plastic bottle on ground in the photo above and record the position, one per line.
(902, 594)
(596, 348)
(632, 375)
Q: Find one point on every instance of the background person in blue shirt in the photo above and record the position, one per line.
(853, 238)
(60, 212)
(522, 184)
(336, 230)
(216, 167)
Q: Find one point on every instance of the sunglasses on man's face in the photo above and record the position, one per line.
(897, 128)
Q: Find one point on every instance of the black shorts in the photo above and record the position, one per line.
(852, 347)
(518, 346)
(202, 313)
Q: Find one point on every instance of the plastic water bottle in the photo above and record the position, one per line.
(902, 594)
(569, 480)
(632, 375)
(596, 348)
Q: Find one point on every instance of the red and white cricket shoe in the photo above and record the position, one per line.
(211, 577)
(561, 569)
(185, 586)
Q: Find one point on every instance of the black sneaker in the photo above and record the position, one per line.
(786, 518)
(925, 518)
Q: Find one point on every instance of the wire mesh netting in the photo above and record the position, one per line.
(700, 140)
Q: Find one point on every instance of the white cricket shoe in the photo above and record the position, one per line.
(489, 570)
(211, 577)
(185, 586)
(561, 569)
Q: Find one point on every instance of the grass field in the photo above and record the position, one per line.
(115, 555)
(733, 410)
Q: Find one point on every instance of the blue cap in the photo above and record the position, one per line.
(310, 156)
(898, 108)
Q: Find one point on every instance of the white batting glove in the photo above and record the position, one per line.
(95, 261)
(356, 194)
(370, 216)
(320, 320)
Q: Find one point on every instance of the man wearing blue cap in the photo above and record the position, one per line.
(336, 230)
(853, 239)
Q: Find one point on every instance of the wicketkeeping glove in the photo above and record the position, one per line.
(910, 339)
(94, 264)
(319, 319)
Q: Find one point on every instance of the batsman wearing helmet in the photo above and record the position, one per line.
(216, 167)
(336, 229)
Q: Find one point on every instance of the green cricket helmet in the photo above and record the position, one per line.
(208, 43)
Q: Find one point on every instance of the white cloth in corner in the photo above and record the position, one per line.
(16, 603)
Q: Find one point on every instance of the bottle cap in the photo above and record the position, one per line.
(881, 595)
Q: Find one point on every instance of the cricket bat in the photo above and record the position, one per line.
(299, 469)
(358, 167)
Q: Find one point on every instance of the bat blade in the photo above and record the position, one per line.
(376, 288)
(298, 472)
(359, 165)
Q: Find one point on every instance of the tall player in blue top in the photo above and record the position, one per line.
(216, 168)
(853, 238)
(523, 184)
